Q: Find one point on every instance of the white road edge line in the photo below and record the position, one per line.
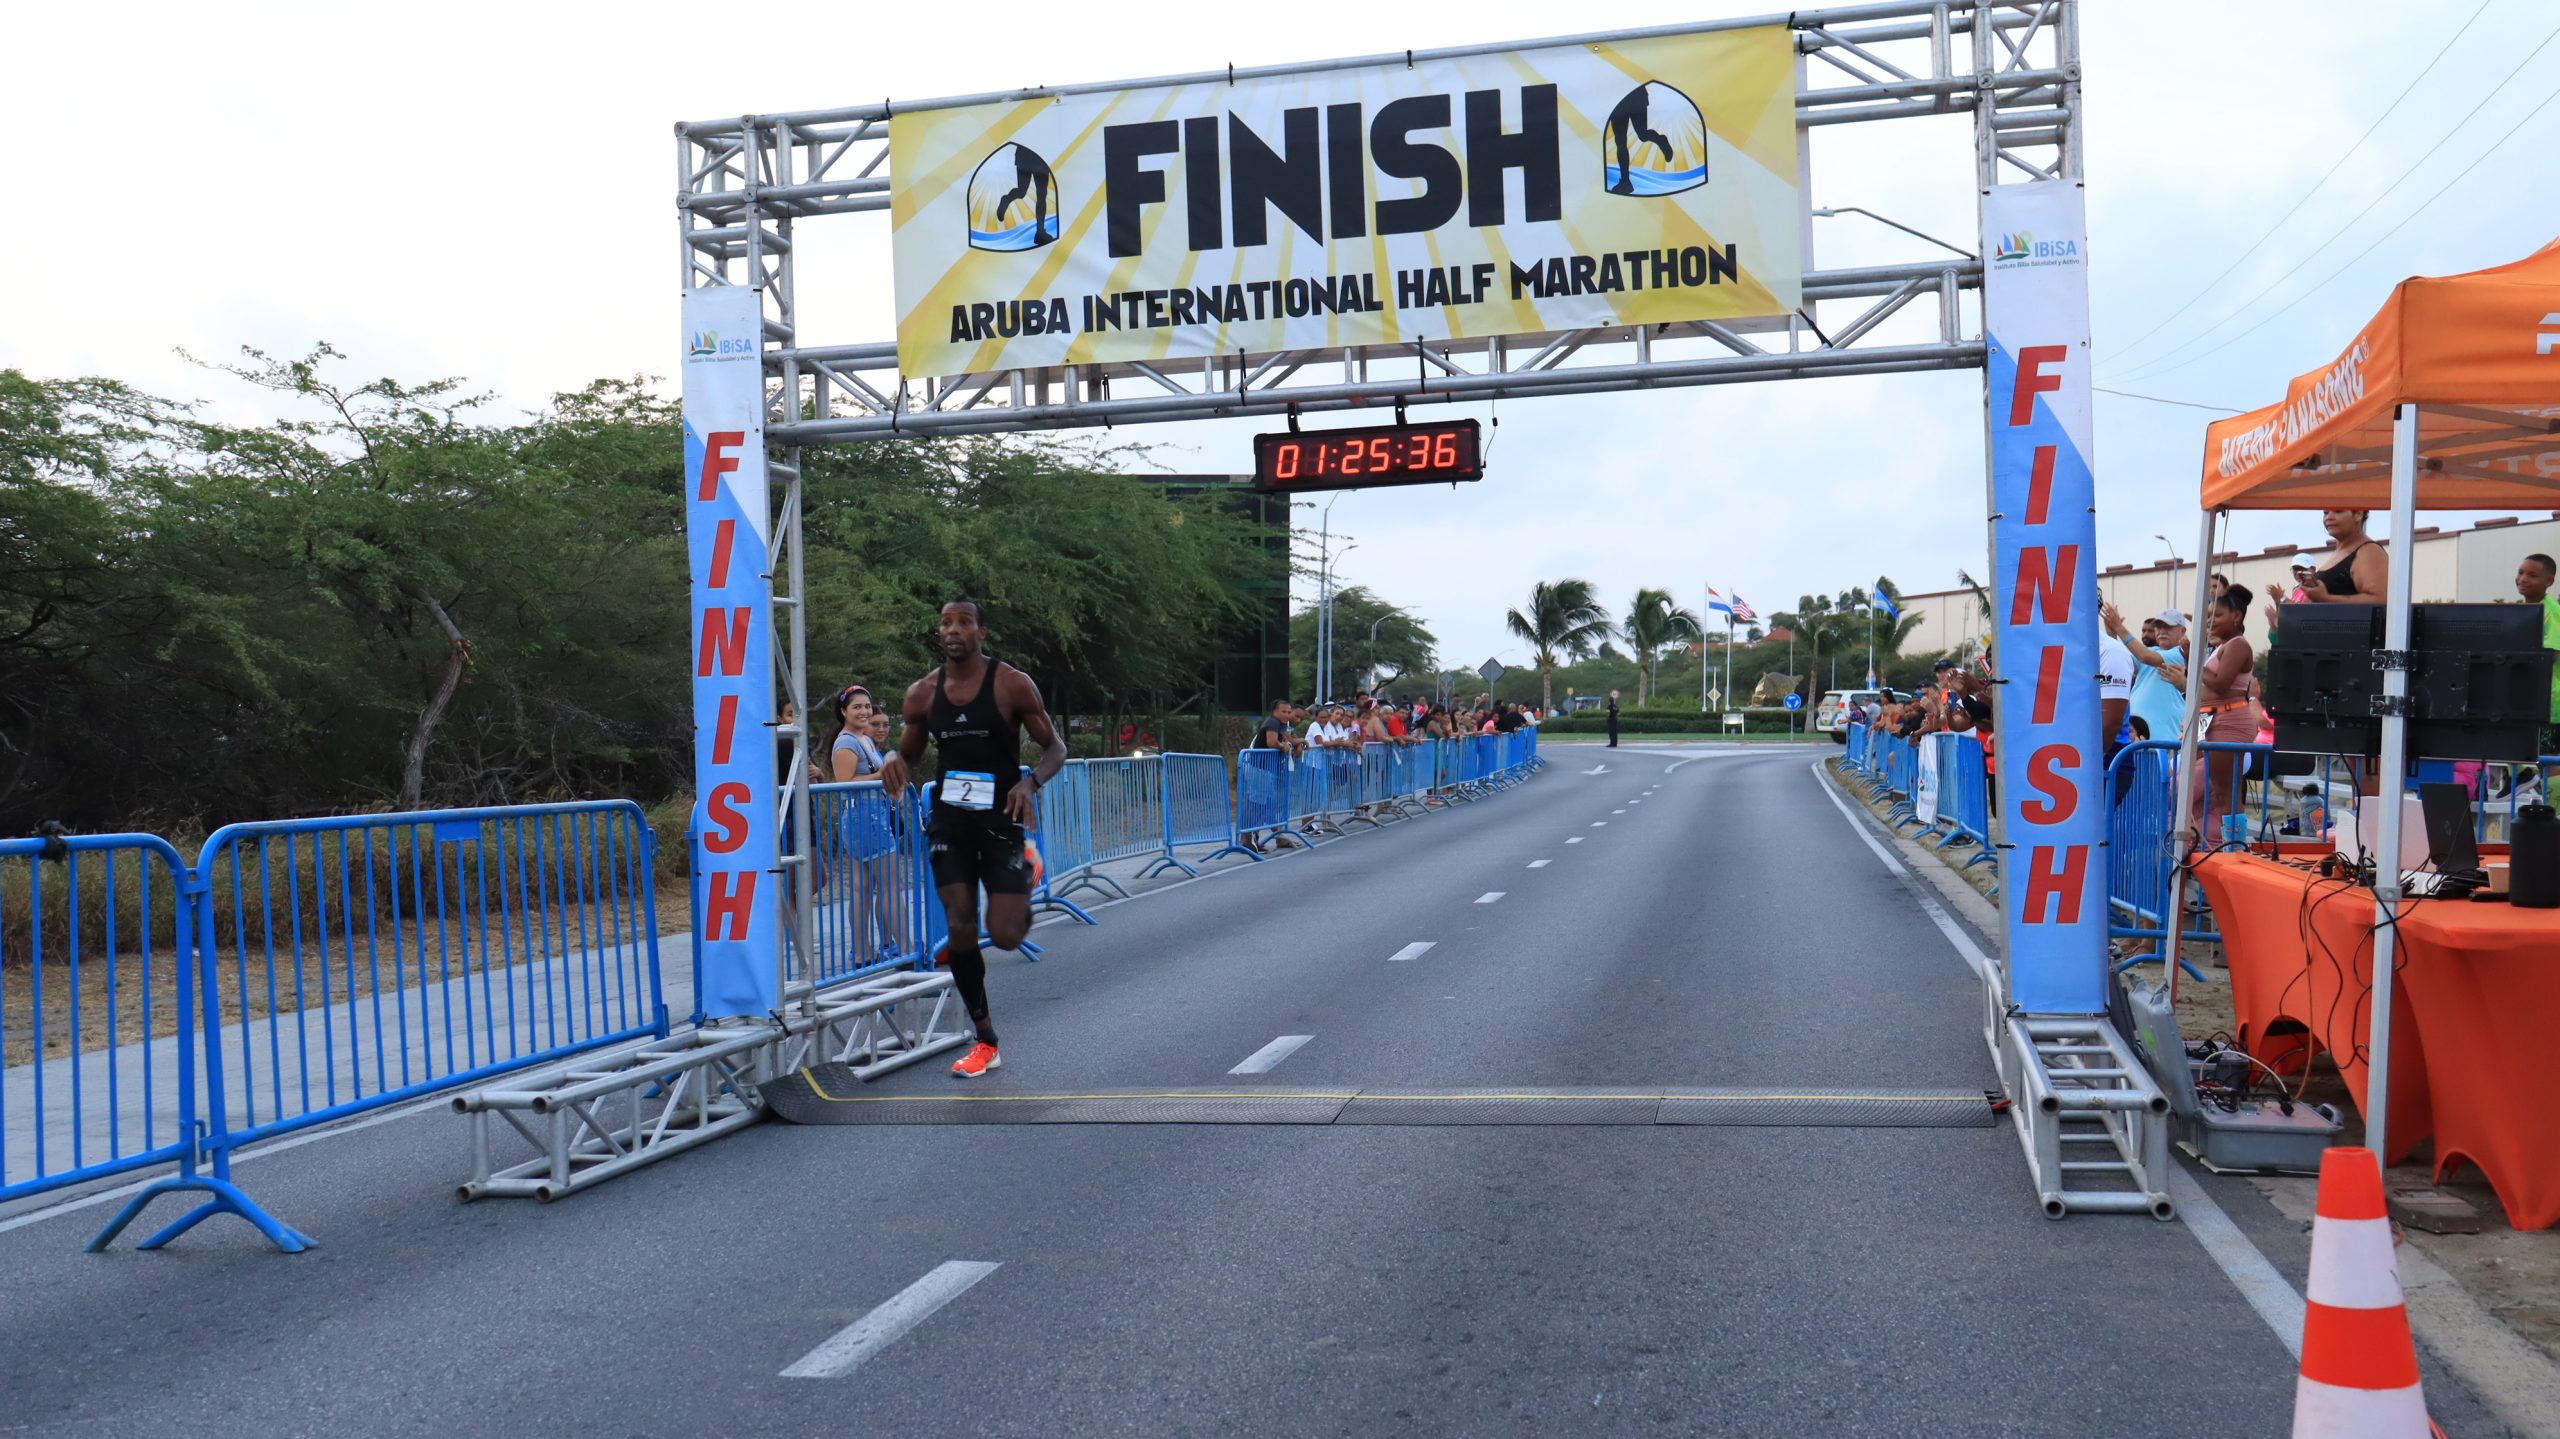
(1577, 839)
(845, 1351)
(1489, 896)
(1965, 948)
(1415, 950)
(2259, 1282)
(1263, 1060)
(1540, 863)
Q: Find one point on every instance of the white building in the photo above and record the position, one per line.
(2475, 564)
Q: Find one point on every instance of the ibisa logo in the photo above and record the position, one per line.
(707, 345)
(2024, 248)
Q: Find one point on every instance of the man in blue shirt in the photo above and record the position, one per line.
(2161, 705)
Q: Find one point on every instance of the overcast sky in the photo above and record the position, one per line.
(486, 190)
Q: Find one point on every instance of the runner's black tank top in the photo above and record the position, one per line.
(976, 735)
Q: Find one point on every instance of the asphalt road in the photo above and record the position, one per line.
(1718, 923)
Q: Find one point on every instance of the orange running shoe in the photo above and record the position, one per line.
(942, 955)
(1031, 852)
(979, 1059)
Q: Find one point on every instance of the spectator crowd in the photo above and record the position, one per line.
(1295, 729)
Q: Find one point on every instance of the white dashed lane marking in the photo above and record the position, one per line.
(1262, 1060)
(1415, 950)
(882, 1327)
(1540, 863)
(1577, 839)
(1490, 896)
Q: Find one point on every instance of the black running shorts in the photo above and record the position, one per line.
(977, 848)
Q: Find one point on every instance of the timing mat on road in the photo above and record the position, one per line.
(830, 1094)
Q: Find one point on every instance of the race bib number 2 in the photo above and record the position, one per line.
(969, 789)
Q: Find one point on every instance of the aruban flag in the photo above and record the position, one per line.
(1742, 610)
(1717, 602)
(1884, 602)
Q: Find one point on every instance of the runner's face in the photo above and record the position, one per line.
(959, 631)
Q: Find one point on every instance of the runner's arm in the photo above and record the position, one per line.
(1023, 697)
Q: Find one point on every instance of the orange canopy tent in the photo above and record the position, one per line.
(2478, 354)
(2448, 399)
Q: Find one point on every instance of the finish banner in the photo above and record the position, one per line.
(740, 917)
(2053, 881)
(1511, 193)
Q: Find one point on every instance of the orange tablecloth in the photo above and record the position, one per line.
(2474, 1015)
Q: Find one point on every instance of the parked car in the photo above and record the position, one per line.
(1833, 713)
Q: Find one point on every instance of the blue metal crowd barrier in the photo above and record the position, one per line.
(1063, 816)
(93, 956)
(1126, 816)
(1262, 792)
(873, 888)
(1964, 796)
(335, 966)
(420, 951)
(1199, 808)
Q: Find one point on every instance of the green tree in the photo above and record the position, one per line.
(1403, 645)
(1652, 624)
(1564, 621)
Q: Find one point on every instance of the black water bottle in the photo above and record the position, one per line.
(2533, 859)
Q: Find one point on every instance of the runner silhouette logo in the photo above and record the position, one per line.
(1013, 200)
(1655, 143)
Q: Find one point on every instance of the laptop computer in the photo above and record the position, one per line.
(2452, 849)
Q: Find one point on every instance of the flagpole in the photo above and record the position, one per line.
(1706, 671)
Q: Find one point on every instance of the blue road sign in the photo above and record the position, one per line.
(1794, 702)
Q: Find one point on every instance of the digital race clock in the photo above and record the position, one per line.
(1430, 453)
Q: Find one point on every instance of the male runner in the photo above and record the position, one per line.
(975, 708)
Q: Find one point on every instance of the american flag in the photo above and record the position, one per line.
(1742, 610)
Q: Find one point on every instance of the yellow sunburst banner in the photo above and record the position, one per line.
(1508, 193)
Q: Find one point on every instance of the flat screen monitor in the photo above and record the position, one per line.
(2321, 682)
(2480, 688)
(2483, 683)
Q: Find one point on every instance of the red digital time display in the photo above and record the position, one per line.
(1430, 453)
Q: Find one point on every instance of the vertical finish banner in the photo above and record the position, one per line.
(2035, 302)
(738, 926)
(1646, 180)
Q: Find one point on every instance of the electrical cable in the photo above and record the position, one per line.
(2157, 400)
(2331, 174)
(2272, 315)
(2158, 365)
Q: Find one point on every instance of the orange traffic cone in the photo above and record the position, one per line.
(2359, 1366)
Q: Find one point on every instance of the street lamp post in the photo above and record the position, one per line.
(2174, 562)
(1373, 638)
(1830, 211)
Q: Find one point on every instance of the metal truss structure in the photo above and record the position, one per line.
(604, 1114)
(743, 184)
(2092, 1122)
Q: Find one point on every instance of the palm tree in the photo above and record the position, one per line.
(1564, 621)
(1654, 623)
